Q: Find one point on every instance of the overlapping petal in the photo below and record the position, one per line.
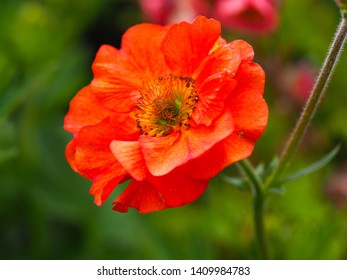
(119, 74)
(95, 161)
(129, 155)
(172, 190)
(164, 154)
(212, 96)
(70, 152)
(92, 157)
(231, 149)
(84, 110)
(248, 107)
(115, 84)
(141, 45)
(244, 49)
(142, 196)
(177, 188)
(186, 45)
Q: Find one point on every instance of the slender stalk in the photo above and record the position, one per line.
(312, 103)
(258, 206)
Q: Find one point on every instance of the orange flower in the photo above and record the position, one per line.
(169, 110)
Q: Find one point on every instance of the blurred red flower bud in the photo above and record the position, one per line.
(256, 16)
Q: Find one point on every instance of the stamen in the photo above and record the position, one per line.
(166, 105)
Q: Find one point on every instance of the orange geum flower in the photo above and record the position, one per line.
(169, 110)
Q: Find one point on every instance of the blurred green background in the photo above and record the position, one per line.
(46, 51)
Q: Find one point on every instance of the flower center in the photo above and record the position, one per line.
(166, 105)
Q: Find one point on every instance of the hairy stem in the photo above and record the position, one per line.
(311, 105)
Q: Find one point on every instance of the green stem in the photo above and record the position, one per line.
(258, 206)
(311, 105)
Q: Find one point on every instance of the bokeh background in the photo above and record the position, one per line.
(46, 51)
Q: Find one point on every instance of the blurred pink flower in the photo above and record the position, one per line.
(300, 79)
(157, 11)
(170, 11)
(303, 85)
(256, 16)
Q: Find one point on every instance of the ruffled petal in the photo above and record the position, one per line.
(142, 196)
(215, 79)
(221, 155)
(93, 153)
(119, 74)
(249, 112)
(250, 76)
(177, 188)
(115, 82)
(141, 45)
(212, 96)
(70, 152)
(245, 50)
(104, 185)
(172, 190)
(225, 58)
(94, 159)
(84, 110)
(186, 45)
(247, 105)
(129, 155)
(163, 154)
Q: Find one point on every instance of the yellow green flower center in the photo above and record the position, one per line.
(166, 105)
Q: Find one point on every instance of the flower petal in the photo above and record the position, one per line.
(84, 110)
(141, 45)
(246, 51)
(215, 79)
(94, 159)
(186, 45)
(104, 185)
(119, 74)
(212, 96)
(172, 190)
(115, 82)
(70, 152)
(249, 112)
(221, 155)
(163, 154)
(250, 76)
(142, 196)
(129, 155)
(225, 58)
(247, 105)
(177, 188)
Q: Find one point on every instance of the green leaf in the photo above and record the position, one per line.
(311, 168)
(278, 189)
(260, 170)
(272, 165)
(237, 182)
